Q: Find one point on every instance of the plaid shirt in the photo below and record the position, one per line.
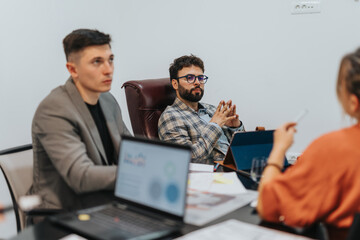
(182, 124)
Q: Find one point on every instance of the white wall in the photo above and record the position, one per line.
(270, 63)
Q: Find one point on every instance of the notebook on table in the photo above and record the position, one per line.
(245, 146)
(150, 194)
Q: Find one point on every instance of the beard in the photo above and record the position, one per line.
(189, 95)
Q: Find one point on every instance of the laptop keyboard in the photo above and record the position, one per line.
(126, 221)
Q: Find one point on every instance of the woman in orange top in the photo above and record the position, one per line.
(324, 184)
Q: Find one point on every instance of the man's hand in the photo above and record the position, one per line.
(234, 122)
(225, 114)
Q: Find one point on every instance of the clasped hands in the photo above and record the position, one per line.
(225, 114)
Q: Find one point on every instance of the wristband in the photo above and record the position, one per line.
(274, 165)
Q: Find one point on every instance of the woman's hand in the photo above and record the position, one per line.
(284, 136)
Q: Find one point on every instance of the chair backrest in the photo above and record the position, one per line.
(146, 100)
(17, 168)
(354, 231)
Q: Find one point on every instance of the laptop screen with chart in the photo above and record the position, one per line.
(153, 175)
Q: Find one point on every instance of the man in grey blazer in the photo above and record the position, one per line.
(76, 128)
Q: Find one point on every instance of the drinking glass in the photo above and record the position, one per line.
(257, 167)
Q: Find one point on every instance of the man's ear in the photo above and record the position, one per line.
(175, 84)
(71, 67)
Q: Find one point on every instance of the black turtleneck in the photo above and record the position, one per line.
(100, 122)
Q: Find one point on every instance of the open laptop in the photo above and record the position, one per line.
(150, 194)
(245, 146)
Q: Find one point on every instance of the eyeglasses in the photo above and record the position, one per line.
(190, 78)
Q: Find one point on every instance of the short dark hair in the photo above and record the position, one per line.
(79, 39)
(184, 61)
(352, 76)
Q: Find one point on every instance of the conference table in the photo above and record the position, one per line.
(48, 230)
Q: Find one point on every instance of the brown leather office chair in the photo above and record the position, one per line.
(146, 100)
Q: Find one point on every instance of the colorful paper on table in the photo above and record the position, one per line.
(220, 183)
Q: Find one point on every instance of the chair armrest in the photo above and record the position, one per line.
(43, 212)
(260, 128)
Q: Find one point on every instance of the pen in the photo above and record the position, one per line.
(301, 115)
(216, 167)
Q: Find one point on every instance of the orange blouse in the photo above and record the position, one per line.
(323, 185)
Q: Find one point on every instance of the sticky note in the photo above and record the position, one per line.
(219, 178)
(84, 217)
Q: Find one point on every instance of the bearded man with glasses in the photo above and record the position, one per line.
(187, 121)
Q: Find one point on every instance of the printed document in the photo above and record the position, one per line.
(200, 167)
(203, 208)
(234, 230)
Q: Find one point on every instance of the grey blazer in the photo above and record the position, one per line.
(68, 172)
